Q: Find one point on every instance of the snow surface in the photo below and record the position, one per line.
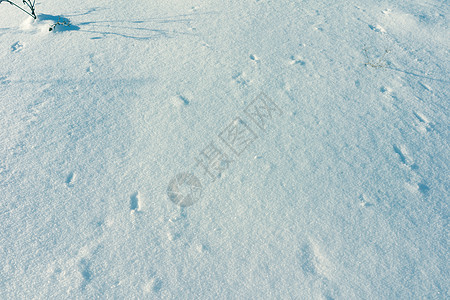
(343, 196)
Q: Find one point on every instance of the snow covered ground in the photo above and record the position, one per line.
(341, 194)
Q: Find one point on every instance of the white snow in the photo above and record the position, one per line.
(341, 194)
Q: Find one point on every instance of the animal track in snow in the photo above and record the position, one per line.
(365, 201)
(377, 28)
(426, 86)
(400, 154)
(17, 47)
(241, 79)
(86, 273)
(315, 264)
(91, 64)
(318, 28)
(254, 58)
(70, 179)
(419, 186)
(153, 285)
(135, 202)
(386, 90)
(415, 182)
(34, 109)
(177, 226)
(422, 123)
(202, 248)
(306, 257)
(423, 188)
(313, 260)
(194, 8)
(404, 157)
(297, 60)
(180, 100)
(184, 99)
(205, 44)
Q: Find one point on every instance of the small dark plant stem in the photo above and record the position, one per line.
(28, 3)
(31, 6)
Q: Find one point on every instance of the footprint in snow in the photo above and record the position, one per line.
(180, 100)
(153, 285)
(422, 123)
(297, 60)
(241, 79)
(426, 86)
(306, 258)
(364, 201)
(377, 28)
(86, 273)
(254, 58)
(16, 47)
(70, 179)
(194, 8)
(416, 183)
(387, 91)
(135, 202)
(404, 157)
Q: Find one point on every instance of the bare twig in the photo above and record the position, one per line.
(60, 23)
(29, 3)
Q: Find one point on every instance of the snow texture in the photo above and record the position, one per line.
(251, 149)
